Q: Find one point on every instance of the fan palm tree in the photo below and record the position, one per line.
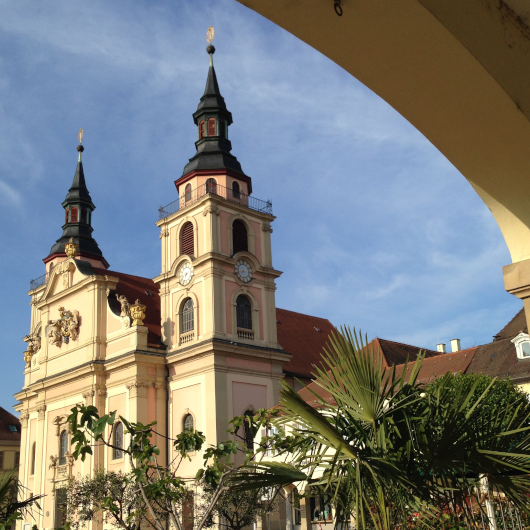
(382, 447)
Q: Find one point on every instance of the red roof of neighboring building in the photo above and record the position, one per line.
(398, 353)
(304, 337)
(134, 288)
(6, 433)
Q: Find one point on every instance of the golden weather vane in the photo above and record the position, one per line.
(80, 135)
(210, 34)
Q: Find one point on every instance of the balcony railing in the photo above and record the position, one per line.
(193, 196)
(37, 282)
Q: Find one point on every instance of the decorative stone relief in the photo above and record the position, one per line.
(137, 389)
(64, 328)
(59, 421)
(266, 227)
(24, 419)
(41, 409)
(211, 209)
(164, 233)
(88, 396)
(124, 303)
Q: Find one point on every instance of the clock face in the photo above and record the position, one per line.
(243, 270)
(185, 274)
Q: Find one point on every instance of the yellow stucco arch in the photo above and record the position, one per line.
(459, 71)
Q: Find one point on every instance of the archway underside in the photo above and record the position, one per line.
(458, 71)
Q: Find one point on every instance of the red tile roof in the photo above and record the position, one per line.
(134, 288)
(7, 419)
(299, 335)
(398, 353)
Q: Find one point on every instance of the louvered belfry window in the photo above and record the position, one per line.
(73, 215)
(188, 323)
(212, 127)
(201, 130)
(243, 312)
(187, 245)
(239, 237)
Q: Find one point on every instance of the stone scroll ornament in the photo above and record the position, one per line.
(64, 328)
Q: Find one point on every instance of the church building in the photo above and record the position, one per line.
(192, 348)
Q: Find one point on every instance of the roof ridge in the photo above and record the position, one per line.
(404, 344)
(305, 315)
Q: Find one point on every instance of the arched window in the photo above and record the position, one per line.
(63, 448)
(83, 215)
(187, 423)
(201, 130)
(73, 215)
(239, 237)
(118, 440)
(222, 128)
(188, 323)
(33, 457)
(249, 438)
(66, 216)
(187, 243)
(211, 186)
(243, 312)
(236, 192)
(187, 193)
(212, 127)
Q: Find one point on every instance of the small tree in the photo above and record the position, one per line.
(154, 493)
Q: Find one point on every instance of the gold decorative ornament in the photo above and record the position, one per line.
(29, 354)
(64, 328)
(210, 34)
(137, 313)
(71, 248)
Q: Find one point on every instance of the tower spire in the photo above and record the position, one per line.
(78, 208)
(213, 119)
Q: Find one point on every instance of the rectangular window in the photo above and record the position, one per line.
(73, 215)
(17, 458)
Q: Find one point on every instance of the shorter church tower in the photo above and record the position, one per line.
(78, 208)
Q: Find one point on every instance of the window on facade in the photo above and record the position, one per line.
(13, 428)
(17, 458)
(63, 448)
(249, 438)
(188, 323)
(33, 457)
(212, 127)
(243, 312)
(187, 193)
(83, 215)
(522, 345)
(211, 186)
(222, 128)
(118, 440)
(60, 507)
(201, 130)
(239, 237)
(320, 508)
(236, 193)
(73, 215)
(187, 243)
(66, 216)
(187, 423)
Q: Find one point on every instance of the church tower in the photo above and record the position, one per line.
(217, 286)
(78, 208)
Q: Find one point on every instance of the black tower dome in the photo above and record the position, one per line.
(213, 119)
(78, 208)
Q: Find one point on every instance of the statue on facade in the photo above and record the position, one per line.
(125, 306)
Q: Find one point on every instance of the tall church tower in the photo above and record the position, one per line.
(217, 289)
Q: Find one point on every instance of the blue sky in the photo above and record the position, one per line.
(375, 228)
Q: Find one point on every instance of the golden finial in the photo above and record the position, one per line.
(210, 34)
(80, 135)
